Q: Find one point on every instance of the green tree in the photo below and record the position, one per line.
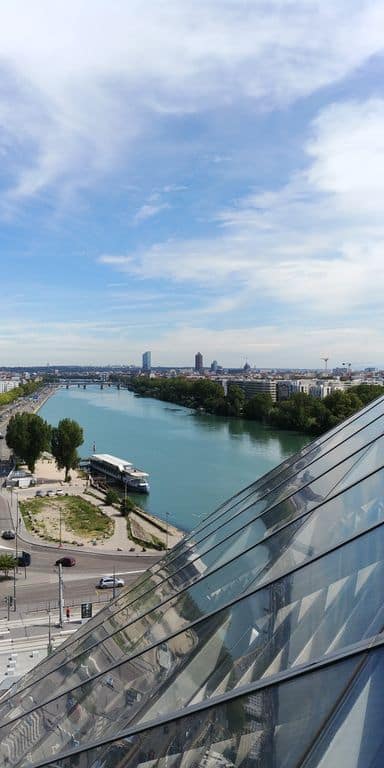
(259, 407)
(28, 435)
(7, 563)
(126, 506)
(111, 497)
(66, 438)
(236, 400)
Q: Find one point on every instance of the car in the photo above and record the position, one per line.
(51, 493)
(60, 492)
(108, 582)
(67, 562)
(1, 436)
(40, 493)
(24, 559)
(8, 535)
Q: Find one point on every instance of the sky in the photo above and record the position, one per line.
(192, 175)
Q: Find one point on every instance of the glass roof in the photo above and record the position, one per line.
(216, 655)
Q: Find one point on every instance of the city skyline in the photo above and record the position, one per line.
(198, 175)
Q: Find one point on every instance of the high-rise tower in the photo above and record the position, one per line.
(199, 362)
(146, 361)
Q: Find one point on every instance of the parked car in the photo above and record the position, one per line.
(51, 493)
(8, 535)
(60, 492)
(67, 562)
(108, 582)
(40, 493)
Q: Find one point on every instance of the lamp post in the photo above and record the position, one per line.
(166, 530)
(60, 541)
(61, 596)
(17, 530)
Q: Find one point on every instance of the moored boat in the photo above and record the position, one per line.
(111, 468)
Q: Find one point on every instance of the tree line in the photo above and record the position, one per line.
(28, 435)
(23, 390)
(302, 412)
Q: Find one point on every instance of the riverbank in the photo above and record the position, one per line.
(30, 404)
(195, 461)
(300, 412)
(144, 531)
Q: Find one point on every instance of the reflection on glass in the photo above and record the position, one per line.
(273, 727)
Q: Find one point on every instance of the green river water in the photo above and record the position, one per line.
(195, 461)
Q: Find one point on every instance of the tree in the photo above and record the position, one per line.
(28, 435)
(236, 400)
(111, 497)
(66, 438)
(126, 506)
(259, 407)
(7, 563)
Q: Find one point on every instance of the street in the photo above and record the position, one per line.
(38, 584)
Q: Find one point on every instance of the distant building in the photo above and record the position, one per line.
(146, 361)
(199, 362)
(252, 387)
(214, 366)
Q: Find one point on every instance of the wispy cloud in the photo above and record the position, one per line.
(72, 112)
(147, 211)
(317, 242)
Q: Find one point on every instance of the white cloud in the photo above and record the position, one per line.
(262, 345)
(83, 82)
(316, 243)
(147, 211)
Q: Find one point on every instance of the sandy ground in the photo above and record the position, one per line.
(143, 526)
(49, 477)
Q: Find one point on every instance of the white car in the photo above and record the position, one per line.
(107, 582)
(51, 493)
(60, 492)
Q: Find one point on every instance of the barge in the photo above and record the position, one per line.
(112, 469)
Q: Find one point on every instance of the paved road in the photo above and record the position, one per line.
(38, 584)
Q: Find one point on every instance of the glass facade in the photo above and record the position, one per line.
(257, 641)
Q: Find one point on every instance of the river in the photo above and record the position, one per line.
(195, 461)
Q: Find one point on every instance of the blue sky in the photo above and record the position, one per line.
(182, 175)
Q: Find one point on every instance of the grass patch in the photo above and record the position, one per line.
(151, 541)
(79, 516)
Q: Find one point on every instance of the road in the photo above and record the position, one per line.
(38, 584)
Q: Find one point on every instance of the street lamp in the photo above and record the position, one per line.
(60, 541)
(166, 531)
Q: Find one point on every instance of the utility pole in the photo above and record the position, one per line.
(61, 598)
(14, 588)
(17, 532)
(60, 529)
(49, 649)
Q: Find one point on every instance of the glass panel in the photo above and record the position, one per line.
(234, 521)
(305, 499)
(327, 441)
(290, 466)
(272, 728)
(355, 735)
(195, 570)
(333, 602)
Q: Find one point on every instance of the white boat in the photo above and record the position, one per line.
(102, 465)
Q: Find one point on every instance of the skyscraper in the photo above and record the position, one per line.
(199, 362)
(146, 361)
(257, 641)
